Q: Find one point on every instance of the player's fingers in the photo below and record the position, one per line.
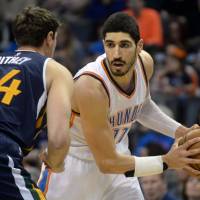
(41, 156)
(176, 142)
(190, 142)
(192, 161)
(192, 171)
(195, 126)
(193, 152)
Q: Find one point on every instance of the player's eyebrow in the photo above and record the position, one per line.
(109, 41)
(128, 41)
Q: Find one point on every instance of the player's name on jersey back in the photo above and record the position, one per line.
(13, 60)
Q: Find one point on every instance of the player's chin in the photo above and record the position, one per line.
(119, 71)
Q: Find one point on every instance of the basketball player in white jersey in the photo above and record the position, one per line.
(112, 93)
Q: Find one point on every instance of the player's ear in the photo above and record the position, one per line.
(140, 44)
(50, 38)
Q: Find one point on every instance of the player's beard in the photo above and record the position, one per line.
(119, 72)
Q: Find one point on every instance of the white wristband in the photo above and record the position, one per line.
(146, 166)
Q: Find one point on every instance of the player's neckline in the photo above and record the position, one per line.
(25, 50)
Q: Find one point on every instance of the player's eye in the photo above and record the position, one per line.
(125, 45)
(110, 44)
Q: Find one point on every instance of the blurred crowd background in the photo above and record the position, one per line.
(171, 33)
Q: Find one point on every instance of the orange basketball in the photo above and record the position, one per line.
(190, 135)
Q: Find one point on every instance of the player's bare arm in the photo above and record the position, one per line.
(90, 94)
(93, 104)
(60, 88)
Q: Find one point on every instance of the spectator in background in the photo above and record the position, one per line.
(176, 183)
(14, 7)
(177, 80)
(193, 107)
(69, 50)
(74, 12)
(187, 13)
(192, 189)
(178, 188)
(4, 33)
(175, 30)
(196, 64)
(149, 22)
(53, 5)
(98, 10)
(151, 143)
(155, 188)
(8, 10)
(189, 9)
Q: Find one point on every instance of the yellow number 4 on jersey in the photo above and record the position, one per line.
(11, 90)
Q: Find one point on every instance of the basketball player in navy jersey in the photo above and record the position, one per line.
(30, 84)
(112, 93)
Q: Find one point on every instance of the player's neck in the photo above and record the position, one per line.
(31, 48)
(127, 81)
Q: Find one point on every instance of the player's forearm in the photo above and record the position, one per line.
(58, 134)
(152, 117)
(58, 144)
(140, 166)
(116, 165)
(110, 161)
(57, 153)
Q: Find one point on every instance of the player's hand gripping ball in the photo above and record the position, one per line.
(190, 135)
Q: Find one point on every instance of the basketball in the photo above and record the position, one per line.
(190, 135)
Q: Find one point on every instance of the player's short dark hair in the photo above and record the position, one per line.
(32, 25)
(121, 22)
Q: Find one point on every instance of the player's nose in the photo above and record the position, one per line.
(116, 52)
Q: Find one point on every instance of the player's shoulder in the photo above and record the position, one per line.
(55, 67)
(87, 82)
(146, 57)
(88, 89)
(56, 73)
(148, 63)
(87, 86)
(89, 74)
(93, 67)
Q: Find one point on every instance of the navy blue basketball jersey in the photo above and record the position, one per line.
(22, 96)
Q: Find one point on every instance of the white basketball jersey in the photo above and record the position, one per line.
(123, 109)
